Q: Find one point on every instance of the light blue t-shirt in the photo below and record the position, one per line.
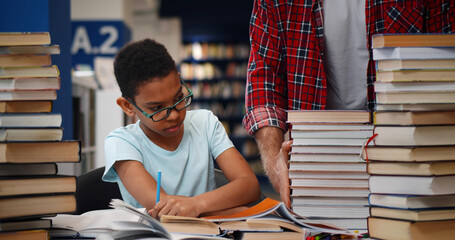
(187, 171)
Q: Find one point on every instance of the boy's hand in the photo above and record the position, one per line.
(176, 206)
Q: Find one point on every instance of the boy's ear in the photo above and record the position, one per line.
(126, 106)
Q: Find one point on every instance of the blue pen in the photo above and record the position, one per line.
(158, 187)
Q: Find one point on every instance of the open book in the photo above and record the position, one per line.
(123, 222)
(267, 216)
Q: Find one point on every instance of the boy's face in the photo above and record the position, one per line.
(158, 94)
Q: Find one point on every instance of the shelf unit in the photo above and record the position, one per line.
(215, 70)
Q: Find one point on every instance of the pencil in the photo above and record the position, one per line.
(158, 186)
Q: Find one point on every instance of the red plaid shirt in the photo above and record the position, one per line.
(285, 68)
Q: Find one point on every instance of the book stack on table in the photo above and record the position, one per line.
(31, 139)
(412, 163)
(329, 182)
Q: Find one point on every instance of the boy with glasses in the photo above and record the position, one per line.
(167, 137)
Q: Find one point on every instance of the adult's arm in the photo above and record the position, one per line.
(274, 155)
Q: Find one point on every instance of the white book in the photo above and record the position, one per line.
(326, 166)
(38, 83)
(414, 53)
(298, 126)
(415, 185)
(31, 134)
(31, 120)
(28, 95)
(337, 201)
(347, 223)
(331, 134)
(412, 201)
(303, 157)
(330, 192)
(328, 174)
(330, 141)
(333, 183)
(326, 149)
(332, 211)
(413, 86)
(415, 107)
(414, 135)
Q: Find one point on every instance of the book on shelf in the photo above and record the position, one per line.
(23, 60)
(414, 86)
(414, 118)
(330, 183)
(313, 157)
(409, 154)
(413, 185)
(40, 234)
(415, 107)
(328, 116)
(326, 149)
(28, 169)
(414, 135)
(331, 126)
(405, 53)
(340, 201)
(44, 71)
(32, 49)
(29, 83)
(29, 185)
(384, 228)
(329, 192)
(36, 206)
(415, 97)
(328, 166)
(388, 65)
(26, 224)
(328, 174)
(24, 38)
(331, 134)
(404, 201)
(416, 75)
(40, 152)
(25, 106)
(409, 168)
(321, 211)
(30, 119)
(413, 214)
(412, 40)
(31, 134)
(28, 95)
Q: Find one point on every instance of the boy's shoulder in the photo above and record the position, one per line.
(200, 117)
(131, 130)
(199, 113)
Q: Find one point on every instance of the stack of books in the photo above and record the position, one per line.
(329, 182)
(31, 138)
(412, 163)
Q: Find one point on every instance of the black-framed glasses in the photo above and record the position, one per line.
(163, 113)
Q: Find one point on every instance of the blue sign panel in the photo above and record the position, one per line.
(97, 38)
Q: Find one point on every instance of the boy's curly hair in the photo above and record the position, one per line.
(139, 62)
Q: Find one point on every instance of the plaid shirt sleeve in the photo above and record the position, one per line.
(285, 69)
(266, 81)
